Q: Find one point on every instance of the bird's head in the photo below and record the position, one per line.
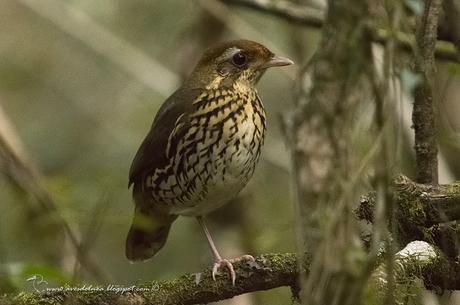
(239, 62)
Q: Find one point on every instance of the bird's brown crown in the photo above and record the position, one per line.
(253, 51)
(238, 61)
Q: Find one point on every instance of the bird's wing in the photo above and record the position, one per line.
(171, 120)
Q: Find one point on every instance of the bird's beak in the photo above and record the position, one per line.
(277, 61)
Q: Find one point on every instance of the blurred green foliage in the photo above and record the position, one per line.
(82, 116)
(82, 113)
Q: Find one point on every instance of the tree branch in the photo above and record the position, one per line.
(423, 212)
(267, 272)
(425, 205)
(307, 16)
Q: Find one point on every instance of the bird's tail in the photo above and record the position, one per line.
(147, 235)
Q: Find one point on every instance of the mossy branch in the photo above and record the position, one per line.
(267, 272)
(422, 212)
(421, 204)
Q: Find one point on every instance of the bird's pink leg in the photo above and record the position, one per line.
(218, 260)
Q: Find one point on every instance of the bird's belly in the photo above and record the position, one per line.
(213, 161)
(218, 194)
(226, 167)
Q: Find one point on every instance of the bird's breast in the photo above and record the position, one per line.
(231, 133)
(217, 156)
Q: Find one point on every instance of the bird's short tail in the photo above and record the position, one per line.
(147, 235)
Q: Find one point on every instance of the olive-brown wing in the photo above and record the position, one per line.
(172, 116)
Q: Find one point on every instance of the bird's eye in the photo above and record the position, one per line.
(239, 59)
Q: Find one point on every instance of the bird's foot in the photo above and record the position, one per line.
(229, 264)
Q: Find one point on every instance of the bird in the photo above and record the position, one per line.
(202, 147)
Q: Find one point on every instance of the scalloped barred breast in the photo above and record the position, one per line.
(213, 156)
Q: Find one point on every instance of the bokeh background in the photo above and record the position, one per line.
(80, 83)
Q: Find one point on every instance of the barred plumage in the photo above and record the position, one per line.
(202, 147)
(216, 154)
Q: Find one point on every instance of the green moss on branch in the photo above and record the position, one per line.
(420, 204)
(267, 272)
(423, 212)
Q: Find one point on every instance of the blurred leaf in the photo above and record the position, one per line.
(416, 6)
(453, 69)
(410, 80)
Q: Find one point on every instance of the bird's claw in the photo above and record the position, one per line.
(229, 264)
(222, 263)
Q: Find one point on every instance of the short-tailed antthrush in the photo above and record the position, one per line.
(202, 147)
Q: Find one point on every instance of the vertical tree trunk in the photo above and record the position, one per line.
(423, 116)
(322, 153)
